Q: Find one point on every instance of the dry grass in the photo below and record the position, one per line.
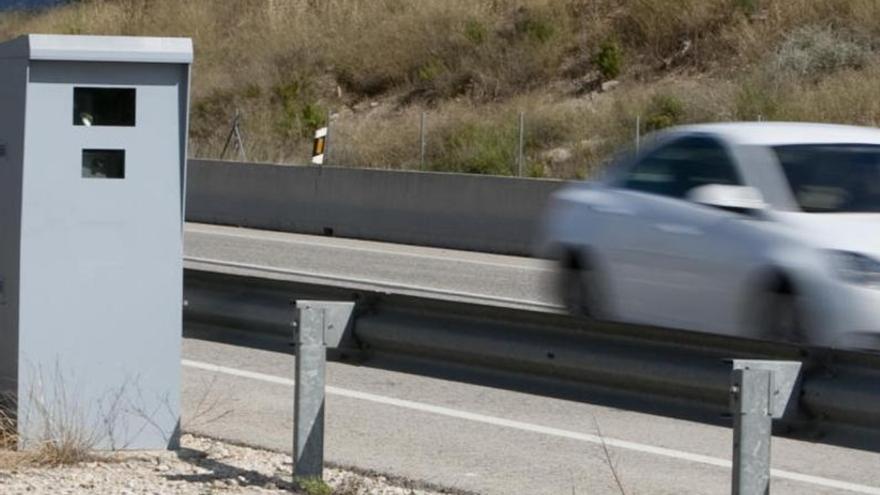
(9, 458)
(8, 439)
(62, 430)
(475, 65)
(65, 451)
(62, 445)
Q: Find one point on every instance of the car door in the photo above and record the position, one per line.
(677, 263)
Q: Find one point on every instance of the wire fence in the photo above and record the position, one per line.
(518, 144)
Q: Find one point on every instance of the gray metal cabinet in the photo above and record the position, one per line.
(91, 211)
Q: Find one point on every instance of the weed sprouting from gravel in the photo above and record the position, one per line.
(314, 486)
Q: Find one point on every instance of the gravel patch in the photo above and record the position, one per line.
(202, 466)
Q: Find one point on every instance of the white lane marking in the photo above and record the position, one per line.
(545, 430)
(377, 284)
(394, 249)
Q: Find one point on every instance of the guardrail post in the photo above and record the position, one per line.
(759, 392)
(318, 326)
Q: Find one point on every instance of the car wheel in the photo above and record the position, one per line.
(781, 318)
(580, 292)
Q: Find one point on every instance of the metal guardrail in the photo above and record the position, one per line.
(838, 400)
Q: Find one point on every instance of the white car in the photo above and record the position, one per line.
(763, 230)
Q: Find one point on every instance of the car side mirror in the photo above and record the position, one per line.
(736, 198)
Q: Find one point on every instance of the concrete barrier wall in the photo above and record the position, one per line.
(471, 212)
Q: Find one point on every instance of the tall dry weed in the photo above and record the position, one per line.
(8, 435)
(64, 447)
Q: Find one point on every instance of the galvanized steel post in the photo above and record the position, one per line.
(752, 426)
(327, 139)
(318, 325)
(520, 156)
(760, 392)
(422, 142)
(638, 132)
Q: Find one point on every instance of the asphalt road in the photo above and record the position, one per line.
(477, 438)
(464, 435)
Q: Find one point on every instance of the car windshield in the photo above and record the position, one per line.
(833, 178)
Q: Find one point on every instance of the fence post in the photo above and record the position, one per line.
(318, 325)
(759, 392)
(422, 142)
(520, 157)
(235, 132)
(327, 140)
(638, 132)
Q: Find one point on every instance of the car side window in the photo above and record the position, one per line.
(677, 168)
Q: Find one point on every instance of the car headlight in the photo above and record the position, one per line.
(856, 268)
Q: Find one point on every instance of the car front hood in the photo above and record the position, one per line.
(856, 232)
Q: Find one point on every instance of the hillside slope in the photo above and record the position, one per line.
(582, 71)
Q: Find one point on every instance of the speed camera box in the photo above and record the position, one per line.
(93, 133)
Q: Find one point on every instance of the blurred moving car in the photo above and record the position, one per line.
(765, 230)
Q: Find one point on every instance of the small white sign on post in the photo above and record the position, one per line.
(320, 146)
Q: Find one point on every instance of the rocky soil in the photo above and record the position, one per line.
(202, 466)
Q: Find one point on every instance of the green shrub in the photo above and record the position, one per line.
(313, 117)
(476, 148)
(534, 170)
(314, 486)
(535, 26)
(287, 97)
(430, 70)
(298, 112)
(609, 60)
(748, 6)
(663, 111)
(475, 31)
